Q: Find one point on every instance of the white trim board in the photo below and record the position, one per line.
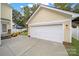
(49, 23)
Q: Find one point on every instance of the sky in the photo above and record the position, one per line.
(19, 6)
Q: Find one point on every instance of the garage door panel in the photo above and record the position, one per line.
(52, 33)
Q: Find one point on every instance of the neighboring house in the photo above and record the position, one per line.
(5, 19)
(51, 24)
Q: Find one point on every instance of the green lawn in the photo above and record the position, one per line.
(73, 50)
(24, 33)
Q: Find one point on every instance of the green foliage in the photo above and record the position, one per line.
(17, 18)
(35, 6)
(15, 15)
(61, 5)
(21, 20)
(75, 42)
(76, 10)
(29, 11)
(24, 33)
(26, 10)
(73, 50)
(68, 7)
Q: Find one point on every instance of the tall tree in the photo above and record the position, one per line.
(17, 18)
(15, 15)
(74, 7)
(35, 6)
(62, 6)
(28, 11)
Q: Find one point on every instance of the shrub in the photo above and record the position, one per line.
(15, 34)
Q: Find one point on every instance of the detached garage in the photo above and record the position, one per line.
(51, 24)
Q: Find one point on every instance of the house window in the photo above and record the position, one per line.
(4, 28)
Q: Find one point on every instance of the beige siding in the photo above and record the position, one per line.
(6, 11)
(46, 15)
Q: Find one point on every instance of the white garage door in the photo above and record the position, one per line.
(51, 32)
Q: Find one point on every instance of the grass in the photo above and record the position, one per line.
(24, 33)
(73, 49)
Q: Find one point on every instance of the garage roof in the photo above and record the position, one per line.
(74, 15)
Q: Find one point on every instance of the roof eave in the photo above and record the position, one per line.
(33, 15)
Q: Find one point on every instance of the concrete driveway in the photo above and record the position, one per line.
(24, 46)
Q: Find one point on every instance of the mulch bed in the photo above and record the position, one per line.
(67, 45)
